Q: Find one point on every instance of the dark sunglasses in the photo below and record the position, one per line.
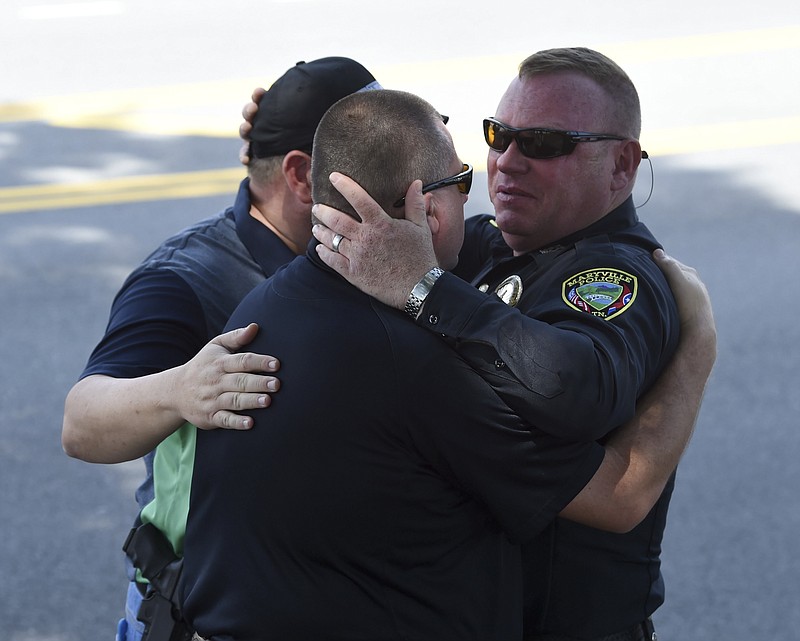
(538, 143)
(462, 180)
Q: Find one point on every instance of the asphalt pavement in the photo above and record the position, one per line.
(88, 111)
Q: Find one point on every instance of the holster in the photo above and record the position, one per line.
(649, 630)
(151, 553)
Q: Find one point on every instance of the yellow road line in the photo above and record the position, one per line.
(660, 143)
(706, 45)
(211, 109)
(722, 136)
(120, 190)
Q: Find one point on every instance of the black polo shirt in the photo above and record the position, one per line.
(379, 496)
(593, 324)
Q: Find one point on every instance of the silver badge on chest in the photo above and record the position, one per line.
(510, 290)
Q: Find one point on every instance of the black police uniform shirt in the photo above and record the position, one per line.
(593, 324)
(181, 296)
(380, 494)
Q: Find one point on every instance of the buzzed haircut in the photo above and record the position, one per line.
(384, 140)
(263, 170)
(626, 114)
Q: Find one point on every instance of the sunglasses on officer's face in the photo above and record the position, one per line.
(463, 180)
(538, 143)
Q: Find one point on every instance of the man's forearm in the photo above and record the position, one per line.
(111, 420)
(642, 455)
(538, 367)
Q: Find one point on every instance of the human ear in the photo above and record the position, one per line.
(626, 164)
(431, 213)
(297, 172)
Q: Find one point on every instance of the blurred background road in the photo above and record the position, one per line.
(118, 126)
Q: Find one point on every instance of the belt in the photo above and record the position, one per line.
(641, 632)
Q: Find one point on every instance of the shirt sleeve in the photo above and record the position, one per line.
(566, 371)
(156, 323)
(522, 476)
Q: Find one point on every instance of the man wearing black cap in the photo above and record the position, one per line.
(159, 371)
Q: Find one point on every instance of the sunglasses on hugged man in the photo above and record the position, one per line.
(463, 180)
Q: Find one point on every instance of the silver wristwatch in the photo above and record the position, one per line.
(420, 292)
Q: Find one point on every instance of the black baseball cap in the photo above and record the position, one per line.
(288, 114)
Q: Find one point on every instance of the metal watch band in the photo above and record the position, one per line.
(420, 292)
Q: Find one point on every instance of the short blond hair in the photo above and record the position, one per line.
(626, 111)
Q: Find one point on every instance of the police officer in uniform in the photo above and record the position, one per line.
(567, 316)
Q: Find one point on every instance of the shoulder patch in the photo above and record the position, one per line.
(603, 292)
